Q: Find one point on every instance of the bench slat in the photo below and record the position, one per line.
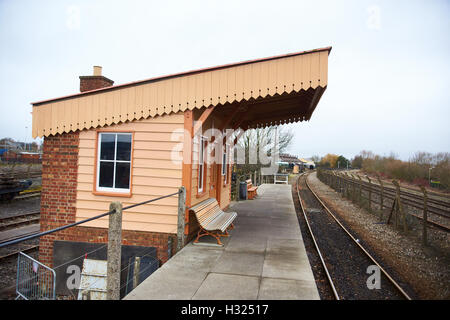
(211, 217)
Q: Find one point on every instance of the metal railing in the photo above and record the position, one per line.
(37, 286)
(41, 234)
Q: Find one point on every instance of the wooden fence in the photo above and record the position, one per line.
(376, 196)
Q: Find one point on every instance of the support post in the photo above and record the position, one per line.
(169, 247)
(114, 251)
(181, 217)
(425, 216)
(137, 269)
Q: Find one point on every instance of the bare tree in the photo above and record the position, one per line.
(259, 141)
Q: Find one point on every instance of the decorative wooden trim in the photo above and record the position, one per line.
(204, 116)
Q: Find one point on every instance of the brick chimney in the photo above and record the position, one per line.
(96, 81)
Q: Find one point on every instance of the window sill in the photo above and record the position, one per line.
(202, 194)
(112, 194)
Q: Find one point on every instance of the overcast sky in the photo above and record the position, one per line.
(388, 88)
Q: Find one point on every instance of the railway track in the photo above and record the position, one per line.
(19, 220)
(343, 257)
(16, 252)
(27, 195)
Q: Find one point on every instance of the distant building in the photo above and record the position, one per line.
(20, 156)
(30, 155)
(307, 163)
(10, 155)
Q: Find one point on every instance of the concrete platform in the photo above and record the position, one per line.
(264, 258)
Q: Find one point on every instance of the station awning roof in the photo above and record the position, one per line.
(272, 90)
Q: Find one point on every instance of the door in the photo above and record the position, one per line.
(213, 182)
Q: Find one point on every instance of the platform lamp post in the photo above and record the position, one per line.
(429, 175)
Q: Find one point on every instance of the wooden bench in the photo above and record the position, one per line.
(251, 190)
(213, 221)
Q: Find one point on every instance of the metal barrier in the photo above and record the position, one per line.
(35, 281)
(280, 175)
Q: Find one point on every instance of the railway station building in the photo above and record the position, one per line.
(136, 141)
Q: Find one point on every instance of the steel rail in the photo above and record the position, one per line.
(20, 215)
(11, 221)
(38, 235)
(330, 281)
(9, 255)
(356, 242)
(18, 237)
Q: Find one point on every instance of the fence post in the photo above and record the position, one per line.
(86, 295)
(353, 188)
(381, 197)
(425, 216)
(181, 217)
(347, 186)
(399, 206)
(114, 251)
(360, 191)
(336, 188)
(137, 269)
(332, 181)
(370, 194)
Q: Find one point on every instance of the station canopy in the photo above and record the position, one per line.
(258, 93)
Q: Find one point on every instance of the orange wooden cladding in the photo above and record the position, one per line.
(152, 175)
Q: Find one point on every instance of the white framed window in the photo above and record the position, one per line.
(114, 162)
(201, 164)
(224, 164)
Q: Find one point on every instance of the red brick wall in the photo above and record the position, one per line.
(58, 197)
(59, 181)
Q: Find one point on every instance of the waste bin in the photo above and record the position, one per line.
(243, 190)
